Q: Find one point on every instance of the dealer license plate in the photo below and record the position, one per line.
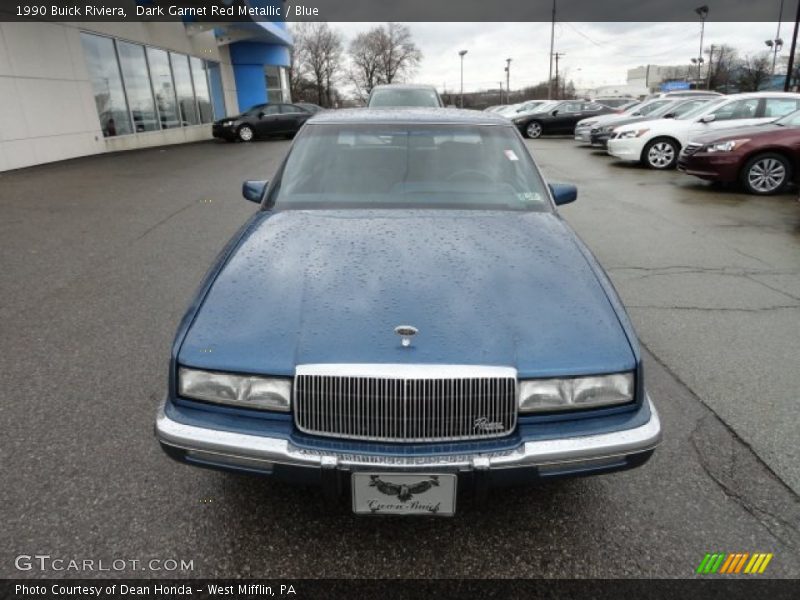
(404, 494)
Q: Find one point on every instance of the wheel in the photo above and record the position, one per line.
(766, 174)
(245, 133)
(533, 130)
(661, 153)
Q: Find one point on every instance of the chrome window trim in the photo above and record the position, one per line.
(405, 370)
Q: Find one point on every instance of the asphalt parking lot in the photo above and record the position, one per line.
(101, 255)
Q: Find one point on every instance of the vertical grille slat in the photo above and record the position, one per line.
(413, 409)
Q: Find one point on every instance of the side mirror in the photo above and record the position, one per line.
(261, 115)
(563, 193)
(253, 190)
(636, 114)
(669, 116)
(554, 113)
(707, 119)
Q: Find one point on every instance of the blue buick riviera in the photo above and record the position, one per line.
(406, 319)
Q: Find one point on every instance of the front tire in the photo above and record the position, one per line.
(661, 154)
(533, 130)
(245, 133)
(766, 174)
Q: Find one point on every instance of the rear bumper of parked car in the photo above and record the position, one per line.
(626, 149)
(605, 444)
(713, 167)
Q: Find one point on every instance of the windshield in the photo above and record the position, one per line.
(790, 120)
(409, 166)
(388, 97)
(702, 108)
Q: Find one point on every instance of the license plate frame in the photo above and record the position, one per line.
(405, 494)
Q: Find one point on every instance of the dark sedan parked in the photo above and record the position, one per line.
(262, 120)
(560, 117)
(763, 158)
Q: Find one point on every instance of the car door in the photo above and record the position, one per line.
(292, 117)
(267, 120)
(737, 113)
(569, 113)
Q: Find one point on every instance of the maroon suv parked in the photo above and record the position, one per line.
(763, 158)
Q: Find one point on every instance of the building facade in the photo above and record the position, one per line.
(75, 89)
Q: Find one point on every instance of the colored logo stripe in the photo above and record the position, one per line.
(734, 563)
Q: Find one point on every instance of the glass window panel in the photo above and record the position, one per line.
(137, 85)
(183, 86)
(109, 96)
(201, 90)
(161, 76)
(217, 93)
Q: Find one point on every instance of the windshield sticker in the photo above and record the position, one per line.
(510, 155)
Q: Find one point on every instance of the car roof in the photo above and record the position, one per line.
(404, 86)
(454, 116)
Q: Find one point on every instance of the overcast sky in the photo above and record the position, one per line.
(595, 53)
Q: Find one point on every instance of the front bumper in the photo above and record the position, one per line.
(626, 148)
(225, 132)
(722, 167)
(600, 139)
(583, 136)
(531, 459)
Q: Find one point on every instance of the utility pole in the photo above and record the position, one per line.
(557, 56)
(461, 54)
(501, 92)
(790, 66)
(552, 37)
(508, 76)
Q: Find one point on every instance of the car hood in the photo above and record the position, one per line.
(764, 130)
(599, 119)
(491, 288)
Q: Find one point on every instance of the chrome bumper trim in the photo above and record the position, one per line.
(529, 454)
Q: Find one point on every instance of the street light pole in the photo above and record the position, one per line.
(703, 12)
(788, 81)
(461, 54)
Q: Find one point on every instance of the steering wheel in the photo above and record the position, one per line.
(465, 173)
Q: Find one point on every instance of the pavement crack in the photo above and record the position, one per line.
(724, 471)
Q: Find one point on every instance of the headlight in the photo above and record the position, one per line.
(264, 393)
(227, 123)
(541, 395)
(583, 124)
(607, 129)
(634, 133)
(728, 146)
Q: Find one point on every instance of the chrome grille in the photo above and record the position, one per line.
(405, 403)
(691, 148)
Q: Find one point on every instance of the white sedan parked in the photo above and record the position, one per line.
(657, 143)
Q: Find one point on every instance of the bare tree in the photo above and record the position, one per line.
(399, 55)
(365, 58)
(722, 64)
(755, 70)
(318, 51)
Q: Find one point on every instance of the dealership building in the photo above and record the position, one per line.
(75, 89)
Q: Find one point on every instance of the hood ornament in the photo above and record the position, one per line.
(406, 332)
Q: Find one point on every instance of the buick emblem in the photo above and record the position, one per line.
(406, 332)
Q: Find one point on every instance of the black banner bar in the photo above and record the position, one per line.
(716, 588)
(210, 11)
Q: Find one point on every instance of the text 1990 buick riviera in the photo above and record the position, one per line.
(405, 317)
